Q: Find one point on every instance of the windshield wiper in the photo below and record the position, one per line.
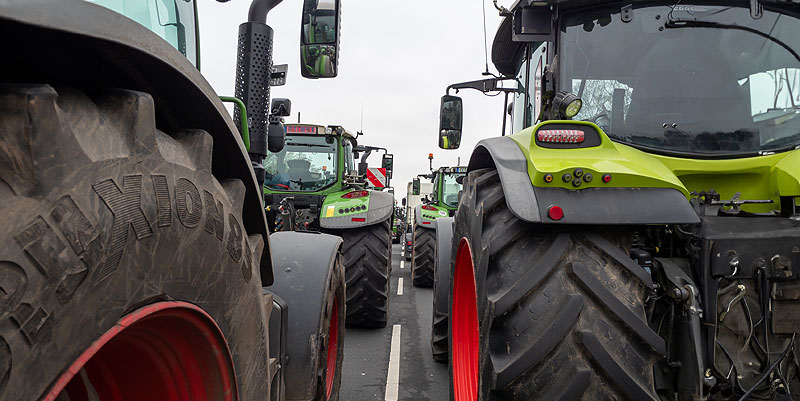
(674, 23)
(787, 143)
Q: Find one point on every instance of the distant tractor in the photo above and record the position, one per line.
(135, 258)
(637, 237)
(313, 184)
(443, 202)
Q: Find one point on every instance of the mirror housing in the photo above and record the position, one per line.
(276, 137)
(319, 38)
(403, 201)
(281, 107)
(450, 122)
(415, 185)
(387, 162)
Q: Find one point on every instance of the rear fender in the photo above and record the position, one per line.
(444, 250)
(303, 263)
(427, 218)
(595, 205)
(375, 208)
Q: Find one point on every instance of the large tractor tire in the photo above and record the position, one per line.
(125, 271)
(545, 312)
(312, 284)
(424, 256)
(368, 262)
(441, 288)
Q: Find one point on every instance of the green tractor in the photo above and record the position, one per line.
(638, 235)
(313, 184)
(136, 262)
(443, 202)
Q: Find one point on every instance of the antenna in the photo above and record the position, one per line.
(485, 46)
(362, 116)
(298, 117)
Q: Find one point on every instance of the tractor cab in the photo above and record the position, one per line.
(447, 186)
(311, 160)
(694, 81)
(679, 87)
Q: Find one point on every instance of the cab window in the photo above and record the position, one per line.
(349, 163)
(173, 20)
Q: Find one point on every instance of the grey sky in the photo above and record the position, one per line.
(396, 60)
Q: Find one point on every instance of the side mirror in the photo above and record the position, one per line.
(403, 201)
(415, 186)
(319, 38)
(388, 163)
(276, 137)
(450, 120)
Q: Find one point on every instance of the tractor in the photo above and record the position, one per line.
(136, 262)
(443, 202)
(637, 236)
(313, 185)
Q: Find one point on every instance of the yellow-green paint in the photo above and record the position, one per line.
(335, 202)
(761, 177)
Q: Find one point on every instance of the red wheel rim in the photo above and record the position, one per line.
(333, 348)
(170, 351)
(464, 326)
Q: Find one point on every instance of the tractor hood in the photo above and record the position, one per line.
(557, 160)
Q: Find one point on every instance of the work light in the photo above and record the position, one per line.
(567, 104)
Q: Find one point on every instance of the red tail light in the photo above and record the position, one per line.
(355, 194)
(409, 243)
(428, 207)
(560, 136)
(358, 219)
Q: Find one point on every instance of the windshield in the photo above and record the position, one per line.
(306, 163)
(450, 189)
(662, 81)
(173, 20)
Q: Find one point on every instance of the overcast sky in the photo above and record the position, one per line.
(396, 59)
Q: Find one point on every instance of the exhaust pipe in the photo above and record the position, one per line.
(253, 70)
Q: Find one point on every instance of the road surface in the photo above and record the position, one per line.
(413, 375)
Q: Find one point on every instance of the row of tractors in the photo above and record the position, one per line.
(632, 234)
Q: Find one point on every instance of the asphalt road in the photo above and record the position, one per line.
(366, 368)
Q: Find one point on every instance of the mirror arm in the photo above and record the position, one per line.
(483, 85)
(259, 10)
